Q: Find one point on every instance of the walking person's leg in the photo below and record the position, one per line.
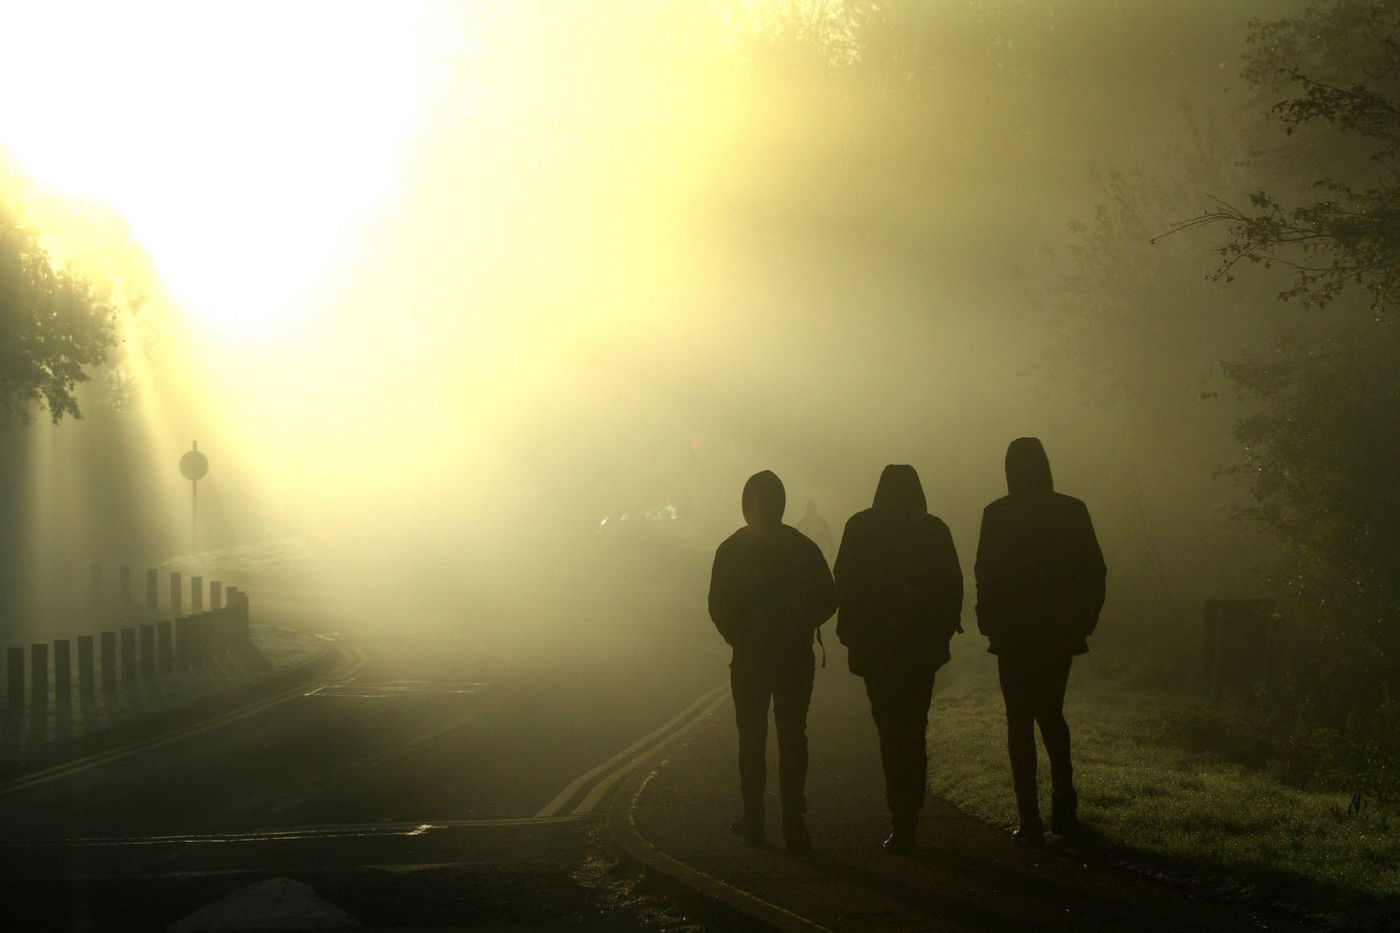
(1051, 678)
(751, 695)
(899, 705)
(792, 695)
(1016, 676)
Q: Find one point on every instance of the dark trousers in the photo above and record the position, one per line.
(789, 687)
(899, 705)
(1033, 687)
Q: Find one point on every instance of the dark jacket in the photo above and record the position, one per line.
(770, 587)
(1040, 573)
(898, 581)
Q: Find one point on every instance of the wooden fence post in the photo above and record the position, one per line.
(175, 594)
(108, 646)
(62, 670)
(14, 663)
(148, 651)
(86, 685)
(39, 672)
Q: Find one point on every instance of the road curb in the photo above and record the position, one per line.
(710, 898)
(206, 708)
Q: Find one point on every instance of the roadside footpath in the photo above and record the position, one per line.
(42, 735)
(673, 815)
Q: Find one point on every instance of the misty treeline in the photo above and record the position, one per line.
(1224, 317)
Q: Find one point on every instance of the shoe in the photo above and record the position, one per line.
(900, 842)
(1064, 813)
(1029, 835)
(796, 839)
(749, 830)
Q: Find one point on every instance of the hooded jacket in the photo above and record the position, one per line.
(770, 587)
(898, 581)
(1040, 573)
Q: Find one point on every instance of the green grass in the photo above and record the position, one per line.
(1144, 793)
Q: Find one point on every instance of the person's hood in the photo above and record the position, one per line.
(1027, 468)
(764, 499)
(899, 491)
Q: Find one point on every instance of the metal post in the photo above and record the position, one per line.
(86, 685)
(108, 645)
(62, 670)
(175, 594)
(14, 663)
(39, 672)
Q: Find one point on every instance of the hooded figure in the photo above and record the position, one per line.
(900, 589)
(1040, 586)
(770, 589)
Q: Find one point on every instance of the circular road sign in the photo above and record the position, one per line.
(193, 465)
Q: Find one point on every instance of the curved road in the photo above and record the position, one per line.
(390, 791)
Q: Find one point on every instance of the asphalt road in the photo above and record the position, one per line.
(419, 786)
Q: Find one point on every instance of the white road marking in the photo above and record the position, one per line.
(626, 758)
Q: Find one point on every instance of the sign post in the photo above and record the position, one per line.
(193, 466)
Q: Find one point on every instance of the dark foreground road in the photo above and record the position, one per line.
(419, 786)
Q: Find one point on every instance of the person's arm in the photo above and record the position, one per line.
(1090, 572)
(725, 609)
(988, 572)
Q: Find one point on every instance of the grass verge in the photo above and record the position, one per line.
(1146, 794)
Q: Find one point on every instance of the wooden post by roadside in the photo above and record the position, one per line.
(62, 670)
(86, 682)
(128, 655)
(108, 647)
(148, 651)
(14, 664)
(152, 591)
(39, 672)
(182, 644)
(175, 594)
(165, 644)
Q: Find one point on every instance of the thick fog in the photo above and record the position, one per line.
(490, 309)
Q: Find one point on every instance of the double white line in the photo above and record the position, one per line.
(604, 776)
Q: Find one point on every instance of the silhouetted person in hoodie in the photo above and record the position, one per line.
(1040, 586)
(769, 591)
(900, 589)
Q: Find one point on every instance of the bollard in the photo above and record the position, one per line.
(96, 582)
(216, 595)
(62, 670)
(108, 645)
(128, 655)
(196, 595)
(175, 594)
(152, 590)
(39, 672)
(164, 645)
(86, 686)
(148, 651)
(14, 663)
(124, 583)
(182, 644)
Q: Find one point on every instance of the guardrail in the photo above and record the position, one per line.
(146, 649)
